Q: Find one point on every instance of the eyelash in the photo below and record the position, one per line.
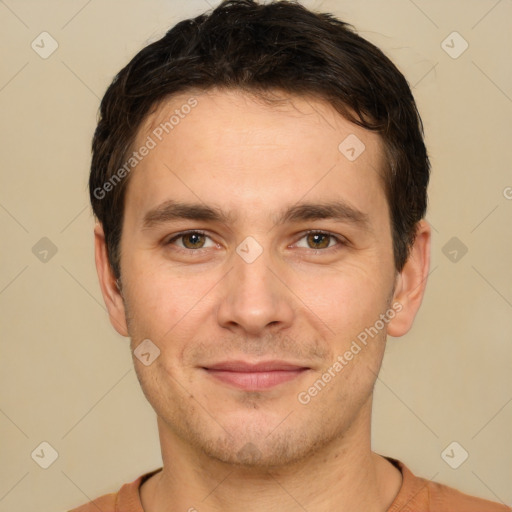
(341, 241)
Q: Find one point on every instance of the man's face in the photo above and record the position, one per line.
(253, 285)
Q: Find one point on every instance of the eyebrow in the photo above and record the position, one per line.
(335, 210)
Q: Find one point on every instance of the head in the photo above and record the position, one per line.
(259, 177)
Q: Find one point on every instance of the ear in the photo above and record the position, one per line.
(111, 294)
(411, 282)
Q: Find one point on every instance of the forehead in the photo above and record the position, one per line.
(215, 145)
(271, 101)
(254, 114)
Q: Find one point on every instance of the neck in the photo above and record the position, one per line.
(344, 475)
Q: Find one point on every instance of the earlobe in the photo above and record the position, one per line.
(411, 282)
(109, 289)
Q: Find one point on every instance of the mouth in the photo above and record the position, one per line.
(254, 377)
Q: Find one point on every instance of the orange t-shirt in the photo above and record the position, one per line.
(415, 495)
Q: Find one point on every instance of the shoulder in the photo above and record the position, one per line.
(127, 499)
(106, 503)
(445, 498)
(421, 495)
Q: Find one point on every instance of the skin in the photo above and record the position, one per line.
(303, 300)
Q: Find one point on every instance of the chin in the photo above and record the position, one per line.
(263, 447)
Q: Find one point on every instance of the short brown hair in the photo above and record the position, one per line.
(260, 48)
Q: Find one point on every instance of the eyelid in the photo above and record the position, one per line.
(341, 240)
(181, 234)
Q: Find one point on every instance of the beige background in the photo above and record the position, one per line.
(66, 375)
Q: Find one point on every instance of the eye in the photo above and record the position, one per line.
(191, 240)
(321, 240)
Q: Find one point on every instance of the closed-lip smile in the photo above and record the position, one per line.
(254, 376)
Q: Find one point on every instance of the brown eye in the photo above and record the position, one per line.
(318, 240)
(193, 240)
(322, 242)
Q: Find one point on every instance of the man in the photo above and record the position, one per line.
(260, 178)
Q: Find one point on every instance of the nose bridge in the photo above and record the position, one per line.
(254, 297)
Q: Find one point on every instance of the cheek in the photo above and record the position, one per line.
(350, 298)
(158, 291)
(166, 307)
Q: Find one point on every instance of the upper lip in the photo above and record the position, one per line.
(262, 366)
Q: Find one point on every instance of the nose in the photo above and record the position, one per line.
(255, 298)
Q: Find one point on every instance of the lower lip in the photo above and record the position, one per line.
(256, 380)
